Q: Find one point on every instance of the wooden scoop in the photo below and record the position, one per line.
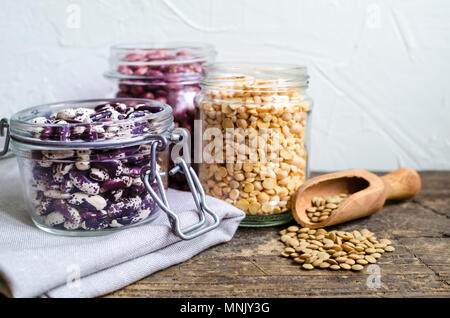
(367, 193)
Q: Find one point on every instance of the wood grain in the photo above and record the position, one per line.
(249, 265)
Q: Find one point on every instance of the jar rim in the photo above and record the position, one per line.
(201, 50)
(174, 54)
(20, 125)
(268, 77)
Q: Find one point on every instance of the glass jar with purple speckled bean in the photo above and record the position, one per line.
(81, 163)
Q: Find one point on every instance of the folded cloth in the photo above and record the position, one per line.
(34, 263)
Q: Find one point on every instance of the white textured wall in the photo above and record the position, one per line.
(380, 70)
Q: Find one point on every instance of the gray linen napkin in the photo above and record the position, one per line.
(34, 263)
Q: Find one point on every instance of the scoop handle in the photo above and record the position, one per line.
(402, 184)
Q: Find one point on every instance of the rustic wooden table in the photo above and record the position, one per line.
(249, 265)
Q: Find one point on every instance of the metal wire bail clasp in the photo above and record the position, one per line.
(149, 175)
(4, 125)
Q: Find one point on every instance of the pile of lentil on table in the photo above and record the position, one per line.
(334, 250)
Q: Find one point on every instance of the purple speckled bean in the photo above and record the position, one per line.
(121, 108)
(148, 202)
(102, 214)
(116, 195)
(101, 115)
(54, 218)
(117, 183)
(114, 167)
(102, 107)
(147, 207)
(151, 109)
(82, 182)
(136, 114)
(93, 215)
(124, 207)
(45, 207)
(141, 214)
(71, 214)
(88, 202)
(132, 171)
(63, 168)
(56, 194)
(115, 210)
(94, 224)
(88, 215)
(139, 129)
(98, 174)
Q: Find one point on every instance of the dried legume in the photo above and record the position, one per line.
(91, 189)
(334, 250)
(322, 207)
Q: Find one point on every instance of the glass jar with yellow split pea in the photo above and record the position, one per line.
(253, 151)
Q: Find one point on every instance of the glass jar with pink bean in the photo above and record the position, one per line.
(166, 72)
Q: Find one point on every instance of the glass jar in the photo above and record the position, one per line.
(254, 138)
(166, 72)
(92, 167)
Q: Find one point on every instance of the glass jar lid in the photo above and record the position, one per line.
(96, 123)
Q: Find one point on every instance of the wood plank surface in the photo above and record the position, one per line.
(250, 266)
